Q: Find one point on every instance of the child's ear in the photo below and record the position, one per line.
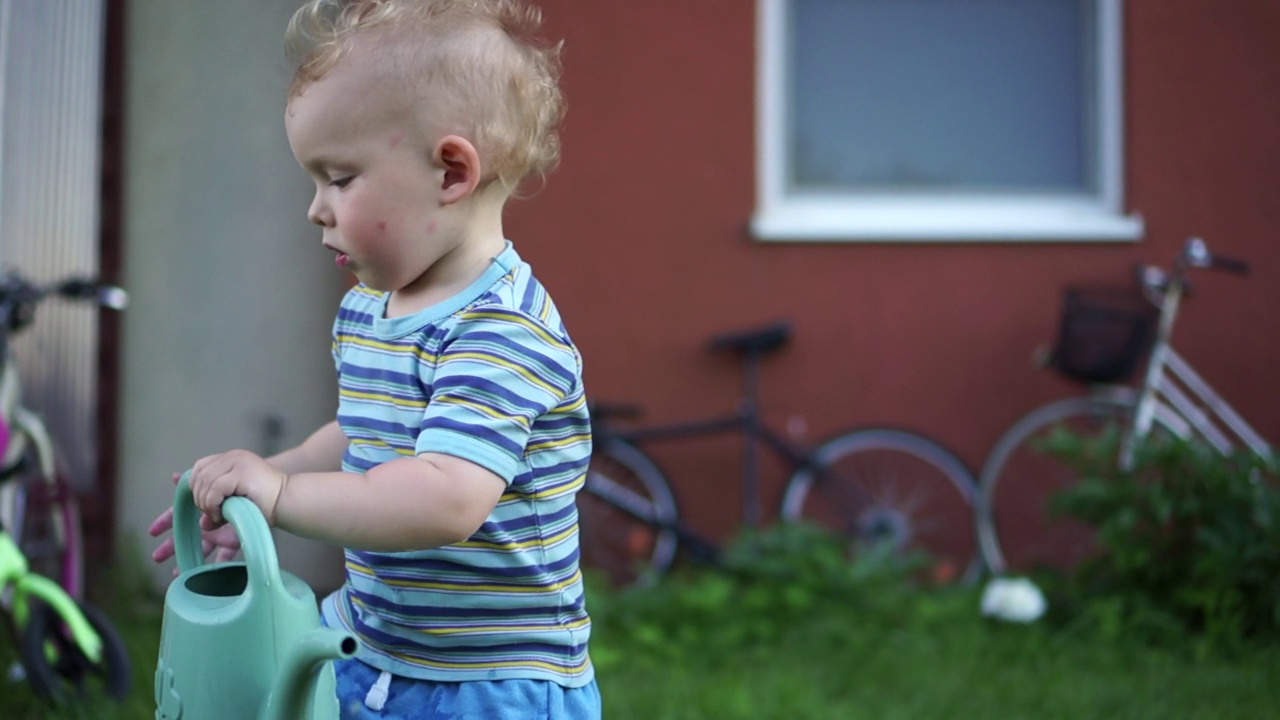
(461, 165)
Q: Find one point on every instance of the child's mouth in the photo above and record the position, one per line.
(341, 259)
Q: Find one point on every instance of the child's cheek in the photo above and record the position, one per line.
(371, 230)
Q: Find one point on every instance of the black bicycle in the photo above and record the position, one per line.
(873, 485)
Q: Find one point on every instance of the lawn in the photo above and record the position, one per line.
(934, 657)
(706, 648)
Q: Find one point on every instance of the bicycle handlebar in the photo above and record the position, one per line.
(1196, 254)
(1229, 264)
(19, 296)
(108, 296)
(1156, 282)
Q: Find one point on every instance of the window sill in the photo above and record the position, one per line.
(815, 219)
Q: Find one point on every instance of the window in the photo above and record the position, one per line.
(940, 120)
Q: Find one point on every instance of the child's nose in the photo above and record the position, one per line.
(319, 213)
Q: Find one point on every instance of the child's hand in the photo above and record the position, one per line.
(236, 472)
(222, 542)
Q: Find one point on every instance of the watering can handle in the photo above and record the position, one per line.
(251, 527)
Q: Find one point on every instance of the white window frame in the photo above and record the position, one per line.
(790, 216)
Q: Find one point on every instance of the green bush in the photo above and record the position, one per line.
(769, 580)
(1189, 539)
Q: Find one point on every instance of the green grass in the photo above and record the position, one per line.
(952, 665)
(904, 655)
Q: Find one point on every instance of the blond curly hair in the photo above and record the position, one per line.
(480, 62)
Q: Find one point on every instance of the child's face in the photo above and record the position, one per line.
(377, 185)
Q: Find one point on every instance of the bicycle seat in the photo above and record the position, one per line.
(758, 340)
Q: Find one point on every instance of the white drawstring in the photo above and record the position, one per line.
(377, 696)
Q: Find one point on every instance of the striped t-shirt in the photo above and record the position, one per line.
(489, 376)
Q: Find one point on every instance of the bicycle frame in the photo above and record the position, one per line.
(22, 426)
(754, 432)
(871, 485)
(747, 421)
(25, 439)
(1162, 393)
(18, 586)
(24, 429)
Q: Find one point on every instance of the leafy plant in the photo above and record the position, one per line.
(1190, 538)
(769, 580)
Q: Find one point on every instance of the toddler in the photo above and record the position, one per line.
(461, 435)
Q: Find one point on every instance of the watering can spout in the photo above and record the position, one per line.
(295, 685)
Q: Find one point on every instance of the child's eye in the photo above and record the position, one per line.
(340, 182)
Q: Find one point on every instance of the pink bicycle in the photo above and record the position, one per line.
(38, 504)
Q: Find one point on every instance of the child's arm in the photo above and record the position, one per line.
(321, 452)
(406, 504)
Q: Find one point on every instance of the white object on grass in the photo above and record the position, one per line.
(1013, 599)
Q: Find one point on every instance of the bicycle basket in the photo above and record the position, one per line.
(1104, 332)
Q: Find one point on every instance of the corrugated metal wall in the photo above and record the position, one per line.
(50, 110)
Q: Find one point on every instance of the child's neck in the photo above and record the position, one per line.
(450, 274)
(479, 223)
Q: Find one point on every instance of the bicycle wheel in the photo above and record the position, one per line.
(627, 516)
(1017, 532)
(46, 525)
(58, 670)
(883, 485)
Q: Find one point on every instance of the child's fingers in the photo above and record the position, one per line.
(208, 523)
(209, 487)
(222, 547)
(162, 524)
(226, 537)
(164, 551)
(209, 499)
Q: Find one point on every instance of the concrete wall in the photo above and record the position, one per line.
(232, 294)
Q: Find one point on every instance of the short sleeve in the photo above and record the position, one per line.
(497, 373)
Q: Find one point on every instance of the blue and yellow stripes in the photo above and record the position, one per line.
(492, 378)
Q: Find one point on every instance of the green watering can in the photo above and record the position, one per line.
(242, 639)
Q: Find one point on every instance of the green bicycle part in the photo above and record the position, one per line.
(13, 564)
(85, 637)
(13, 568)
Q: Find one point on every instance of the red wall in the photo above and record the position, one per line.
(641, 237)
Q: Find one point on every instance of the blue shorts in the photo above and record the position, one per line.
(409, 699)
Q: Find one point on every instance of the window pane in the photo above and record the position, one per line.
(934, 96)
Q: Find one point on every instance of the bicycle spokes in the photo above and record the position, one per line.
(894, 493)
